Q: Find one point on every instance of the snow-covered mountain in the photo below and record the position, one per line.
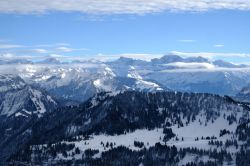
(80, 80)
(20, 104)
(171, 58)
(138, 126)
(19, 99)
(135, 106)
(221, 63)
(49, 61)
(193, 74)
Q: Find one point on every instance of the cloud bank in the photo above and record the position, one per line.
(119, 6)
(191, 65)
(211, 55)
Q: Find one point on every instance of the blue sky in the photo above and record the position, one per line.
(221, 33)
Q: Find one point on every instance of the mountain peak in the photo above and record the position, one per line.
(198, 59)
(125, 59)
(221, 63)
(171, 58)
(50, 60)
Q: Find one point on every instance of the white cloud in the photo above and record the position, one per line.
(51, 45)
(11, 56)
(219, 45)
(187, 41)
(30, 51)
(247, 69)
(191, 65)
(4, 45)
(24, 50)
(40, 50)
(68, 49)
(119, 6)
(9, 46)
(6, 56)
(210, 54)
(56, 56)
(64, 49)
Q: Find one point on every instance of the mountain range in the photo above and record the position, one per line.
(166, 111)
(193, 74)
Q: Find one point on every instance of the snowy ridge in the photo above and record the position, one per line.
(17, 96)
(142, 121)
(80, 81)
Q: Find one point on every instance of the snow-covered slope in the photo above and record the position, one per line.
(217, 82)
(79, 82)
(194, 74)
(141, 121)
(20, 104)
(19, 99)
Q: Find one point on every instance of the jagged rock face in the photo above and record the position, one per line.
(19, 99)
(19, 104)
(9, 82)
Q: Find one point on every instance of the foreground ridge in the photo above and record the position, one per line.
(139, 124)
